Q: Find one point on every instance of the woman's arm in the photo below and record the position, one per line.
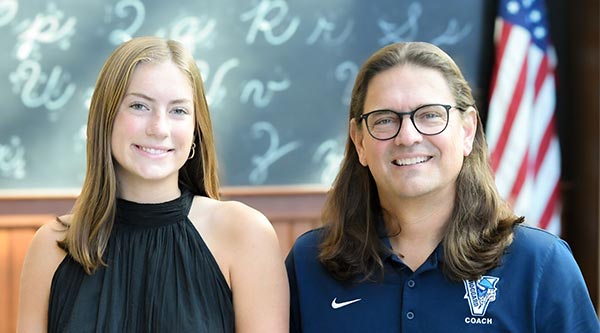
(257, 273)
(41, 261)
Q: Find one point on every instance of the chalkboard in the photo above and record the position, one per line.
(278, 75)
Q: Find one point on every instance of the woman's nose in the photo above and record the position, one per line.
(159, 125)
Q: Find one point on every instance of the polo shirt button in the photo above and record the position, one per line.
(410, 315)
(411, 283)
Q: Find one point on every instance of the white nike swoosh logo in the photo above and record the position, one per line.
(336, 305)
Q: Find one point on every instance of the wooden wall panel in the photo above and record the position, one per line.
(19, 241)
(288, 230)
(16, 232)
(6, 302)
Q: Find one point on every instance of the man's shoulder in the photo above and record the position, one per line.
(305, 251)
(534, 239)
(532, 244)
(309, 239)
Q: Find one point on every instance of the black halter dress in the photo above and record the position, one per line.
(161, 277)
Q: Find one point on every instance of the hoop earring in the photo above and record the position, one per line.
(193, 151)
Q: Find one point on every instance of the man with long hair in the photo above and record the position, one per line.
(415, 235)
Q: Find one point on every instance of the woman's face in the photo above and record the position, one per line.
(411, 165)
(154, 127)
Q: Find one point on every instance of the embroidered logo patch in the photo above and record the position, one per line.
(480, 293)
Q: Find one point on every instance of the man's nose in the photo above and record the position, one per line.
(408, 133)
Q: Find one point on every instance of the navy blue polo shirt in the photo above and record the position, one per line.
(537, 288)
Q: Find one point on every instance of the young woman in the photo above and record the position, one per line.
(149, 247)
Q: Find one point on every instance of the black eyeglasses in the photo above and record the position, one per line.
(429, 119)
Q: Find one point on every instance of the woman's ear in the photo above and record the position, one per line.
(356, 134)
(469, 125)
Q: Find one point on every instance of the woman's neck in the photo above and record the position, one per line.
(148, 192)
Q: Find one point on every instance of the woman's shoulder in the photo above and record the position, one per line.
(40, 264)
(44, 249)
(230, 216)
(47, 236)
(235, 233)
(230, 224)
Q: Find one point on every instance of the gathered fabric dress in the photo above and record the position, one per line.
(161, 277)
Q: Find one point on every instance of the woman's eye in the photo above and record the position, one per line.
(180, 111)
(138, 106)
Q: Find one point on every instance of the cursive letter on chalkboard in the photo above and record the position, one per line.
(259, 15)
(216, 92)
(325, 28)
(406, 32)
(262, 98)
(44, 29)
(119, 36)
(346, 71)
(12, 159)
(330, 153)
(453, 34)
(262, 163)
(29, 74)
(190, 31)
(79, 139)
(8, 11)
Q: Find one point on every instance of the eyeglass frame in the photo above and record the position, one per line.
(412, 118)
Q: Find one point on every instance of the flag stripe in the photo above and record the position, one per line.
(505, 32)
(543, 118)
(542, 75)
(544, 145)
(517, 42)
(521, 176)
(510, 117)
(543, 185)
(549, 211)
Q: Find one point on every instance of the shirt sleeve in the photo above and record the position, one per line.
(563, 304)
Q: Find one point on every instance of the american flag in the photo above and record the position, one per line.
(525, 151)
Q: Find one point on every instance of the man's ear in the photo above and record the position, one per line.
(469, 125)
(356, 134)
